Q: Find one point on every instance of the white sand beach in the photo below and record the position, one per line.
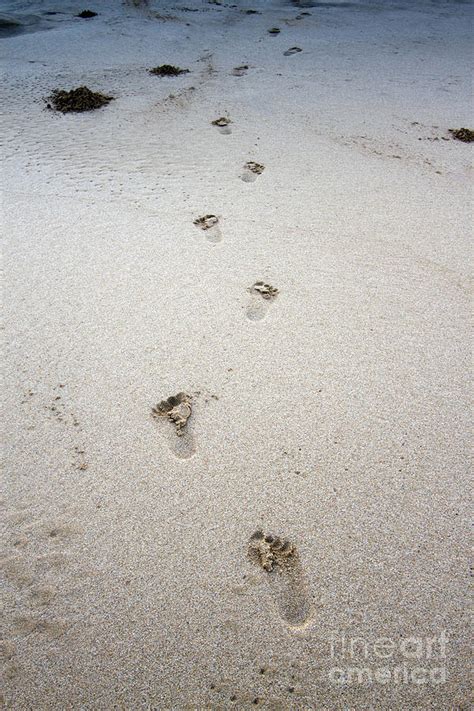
(329, 404)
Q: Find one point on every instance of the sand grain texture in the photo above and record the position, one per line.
(339, 421)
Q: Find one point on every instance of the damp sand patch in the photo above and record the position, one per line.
(77, 100)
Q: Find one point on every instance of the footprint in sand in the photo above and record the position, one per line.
(280, 561)
(223, 125)
(210, 225)
(261, 296)
(251, 171)
(26, 624)
(240, 71)
(177, 409)
(292, 50)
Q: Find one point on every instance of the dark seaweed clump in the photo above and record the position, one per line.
(85, 14)
(80, 99)
(168, 70)
(462, 134)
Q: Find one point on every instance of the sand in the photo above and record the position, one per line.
(333, 415)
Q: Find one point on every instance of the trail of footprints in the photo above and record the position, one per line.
(278, 559)
(34, 564)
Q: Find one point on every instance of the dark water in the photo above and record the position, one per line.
(16, 24)
(12, 23)
(381, 4)
(10, 27)
(315, 3)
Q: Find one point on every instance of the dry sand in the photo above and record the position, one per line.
(333, 414)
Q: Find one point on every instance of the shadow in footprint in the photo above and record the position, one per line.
(251, 171)
(223, 125)
(292, 50)
(240, 71)
(177, 409)
(280, 561)
(210, 226)
(261, 296)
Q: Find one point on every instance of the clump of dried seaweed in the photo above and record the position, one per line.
(80, 99)
(168, 70)
(86, 14)
(462, 134)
